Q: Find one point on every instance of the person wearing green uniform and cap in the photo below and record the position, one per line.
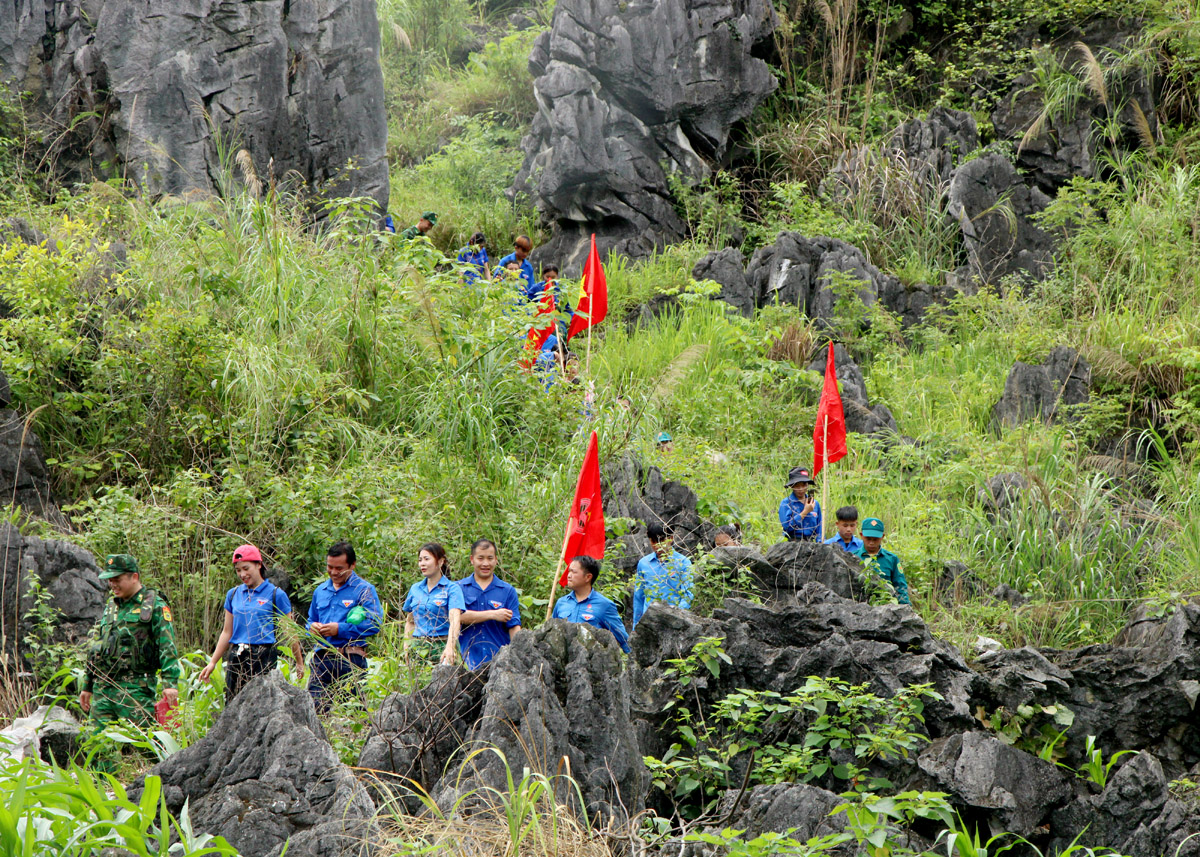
(135, 642)
(883, 562)
(421, 227)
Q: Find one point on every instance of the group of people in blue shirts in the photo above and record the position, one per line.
(800, 517)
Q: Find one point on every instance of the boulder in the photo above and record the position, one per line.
(50, 733)
(1038, 392)
(24, 477)
(793, 565)
(861, 416)
(628, 93)
(266, 779)
(1139, 697)
(799, 810)
(1068, 142)
(727, 267)
(165, 92)
(556, 700)
(957, 583)
(733, 558)
(1000, 493)
(1136, 815)
(50, 589)
(634, 490)
(778, 646)
(1015, 791)
(993, 207)
(415, 737)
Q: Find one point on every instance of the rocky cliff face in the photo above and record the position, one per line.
(165, 92)
(627, 93)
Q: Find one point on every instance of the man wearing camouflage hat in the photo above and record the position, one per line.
(135, 642)
(421, 227)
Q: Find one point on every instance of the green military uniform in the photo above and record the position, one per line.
(413, 231)
(136, 640)
(885, 563)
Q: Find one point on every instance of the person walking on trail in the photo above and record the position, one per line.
(800, 513)
(133, 646)
(251, 613)
(883, 562)
(421, 227)
(847, 523)
(522, 247)
(493, 610)
(474, 258)
(663, 575)
(584, 604)
(434, 606)
(344, 615)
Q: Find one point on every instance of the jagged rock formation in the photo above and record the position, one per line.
(266, 779)
(861, 416)
(557, 692)
(634, 490)
(144, 89)
(24, 479)
(624, 89)
(64, 575)
(794, 564)
(1037, 392)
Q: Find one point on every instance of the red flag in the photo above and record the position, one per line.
(829, 434)
(585, 527)
(593, 305)
(537, 336)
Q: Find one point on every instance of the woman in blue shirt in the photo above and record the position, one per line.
(474, 258)
(434, 606)
(251, 611)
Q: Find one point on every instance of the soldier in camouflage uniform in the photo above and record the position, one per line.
(136, 641)
(421, 227)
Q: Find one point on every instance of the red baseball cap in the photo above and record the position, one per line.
(247, 553)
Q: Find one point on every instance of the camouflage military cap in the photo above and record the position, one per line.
(117, 564)
(431, 216)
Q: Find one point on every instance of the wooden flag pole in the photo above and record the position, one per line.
(559, 568)
(588, 367)
(825, 481)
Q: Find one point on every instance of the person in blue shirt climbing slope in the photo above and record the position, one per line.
(475, 257)
(883, 562)
(584, 604)
(847, 523)
(493, 611)
(344, 614)
(520, 254)
(663, 575)
(252, 611)
(800, 513)
(434, 606)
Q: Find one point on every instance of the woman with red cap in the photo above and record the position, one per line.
(251, 611)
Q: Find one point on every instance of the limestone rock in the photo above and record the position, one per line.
(557, 692)
(147, 85)
(861, 416)
(634, 490)
(23, 474)
(1038, 392)
(795, 564)
(265, 774)
(50, 733)
(624, 90)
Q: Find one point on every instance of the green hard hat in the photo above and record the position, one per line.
(117, 564)
(357, 615)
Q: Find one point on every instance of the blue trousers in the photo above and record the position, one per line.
(331, 671)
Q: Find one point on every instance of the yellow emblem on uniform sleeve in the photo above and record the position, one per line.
(166, 612)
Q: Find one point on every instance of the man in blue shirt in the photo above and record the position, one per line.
(342, 649)
(474, 257)
(520, 254)
(847, 523)
(493, 614)
(663, 575)
(585, 604)
(800, 513)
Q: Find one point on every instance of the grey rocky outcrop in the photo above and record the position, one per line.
(861, 416)
(792, 565)
(641, 492)
(628, 93)
(801, 811)
(155, 90)
(24, 478)
(1016, 790)
(798, 271)
(1040, 391)
(50, 592)
(266, 779)
(993, 207)
(556, 700)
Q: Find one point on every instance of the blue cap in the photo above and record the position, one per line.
(663, 437)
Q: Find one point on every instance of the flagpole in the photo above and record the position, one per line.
(825, 481)
(559, 568)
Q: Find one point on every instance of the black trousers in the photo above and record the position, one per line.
(245, 661)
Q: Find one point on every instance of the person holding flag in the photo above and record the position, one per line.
(585, 524)
(585, 604)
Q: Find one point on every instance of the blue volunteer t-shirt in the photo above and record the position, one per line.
(855, 543)
(254, 612)
(334, 605)
(526, 273)
(670, 583)
(431, 606)
(594, 610)
(480, 642)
